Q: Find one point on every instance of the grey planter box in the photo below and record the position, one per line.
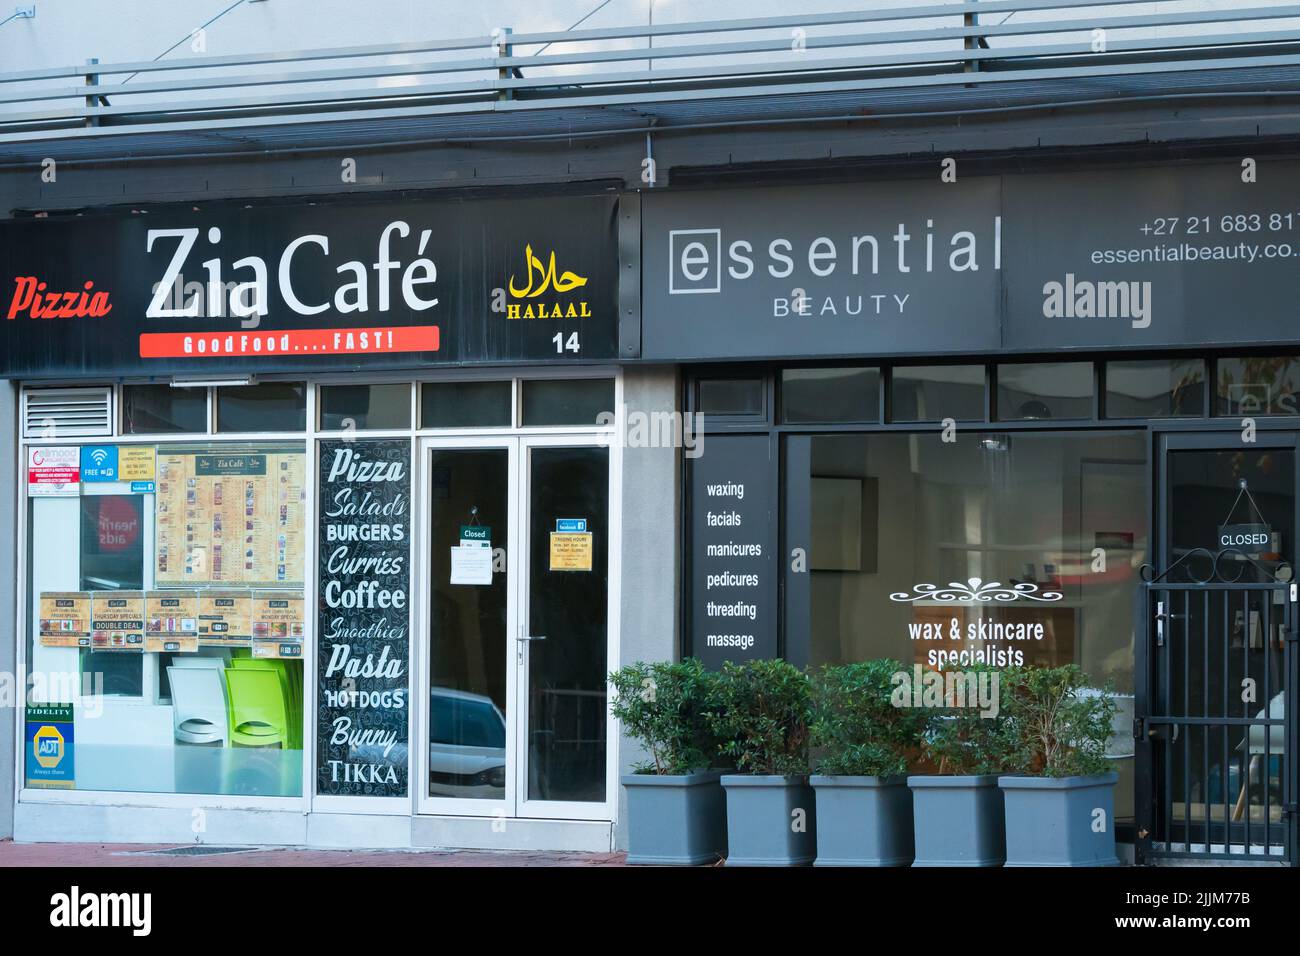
(761, 817)
(863, 821)
(959, 821)
(676, 820)
(1049, 820)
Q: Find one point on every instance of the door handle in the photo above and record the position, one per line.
(522, 641)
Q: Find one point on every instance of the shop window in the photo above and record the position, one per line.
(166, 619)
(1050, 390)
(272, 407)
(931, 393)
(1042, 533)
(466, 405)
(731, 397)
(344, 407)
(114, 675)
(1257, 385)
(813, 395)
(567, 401)
(155, 409)
(1159, 388)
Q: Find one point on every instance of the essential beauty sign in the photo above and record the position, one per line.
(363, 651)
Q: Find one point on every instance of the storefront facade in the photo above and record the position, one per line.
(263, 557)
(1031, 419)
(346, 472)
(419, 507)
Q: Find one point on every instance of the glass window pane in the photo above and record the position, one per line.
(465, 405)
(931, 393)
(830, 395)
(567, 677)
(147, 409)
(273, 407)
(567, 402)
(731, 396)
(887, 521)
(114, 673)
(188, 599)
(468, 655)
(1045, 391)
(1161, 388)
(365, 406)
(1258, 385)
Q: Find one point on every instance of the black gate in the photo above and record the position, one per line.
(1215, 723)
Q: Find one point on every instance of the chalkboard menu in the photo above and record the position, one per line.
(363, 643)
(733, 545)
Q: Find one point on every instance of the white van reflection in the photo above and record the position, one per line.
(467, 745)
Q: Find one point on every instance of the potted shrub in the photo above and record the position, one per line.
(958, 810)
(675, 806)
(863, 745)
(762, 719)
(1060, 802)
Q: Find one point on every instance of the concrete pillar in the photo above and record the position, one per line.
(651, 579)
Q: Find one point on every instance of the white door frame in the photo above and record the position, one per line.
(515, 804)
(557, 809)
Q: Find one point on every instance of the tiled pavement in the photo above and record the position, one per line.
(142, 855)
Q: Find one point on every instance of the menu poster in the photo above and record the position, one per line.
(117, 620)
(225, 618)
(364, 624)
(65, 618)
(172, 621)
(277, 624)
(233, 518)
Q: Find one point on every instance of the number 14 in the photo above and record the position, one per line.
(562, 345)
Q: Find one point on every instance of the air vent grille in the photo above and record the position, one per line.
(67, 412)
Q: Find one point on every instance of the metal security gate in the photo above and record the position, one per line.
(1216, 729)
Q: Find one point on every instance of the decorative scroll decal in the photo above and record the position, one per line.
(976, 590)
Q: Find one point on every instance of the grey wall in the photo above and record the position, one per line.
(8, 595)
(651, 545)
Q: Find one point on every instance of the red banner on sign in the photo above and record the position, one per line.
(363, 341)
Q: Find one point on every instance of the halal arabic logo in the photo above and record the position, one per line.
(976, 590)
(542, 279)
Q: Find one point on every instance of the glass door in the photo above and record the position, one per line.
(468, 722)
(563, 641)
(1215, 741)
(517, 579)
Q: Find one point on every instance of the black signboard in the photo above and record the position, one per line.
(363, 634)
(1127, 258)
(733, 543)
(360, 285)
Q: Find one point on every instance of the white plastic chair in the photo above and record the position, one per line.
(1276, 746)
(199, 705)
(218, 661)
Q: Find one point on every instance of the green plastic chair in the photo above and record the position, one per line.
(258, 716)
(290, 685)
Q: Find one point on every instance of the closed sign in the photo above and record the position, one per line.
(1244, 535)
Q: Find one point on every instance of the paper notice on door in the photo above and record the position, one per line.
(471, 564)
(570, 551)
